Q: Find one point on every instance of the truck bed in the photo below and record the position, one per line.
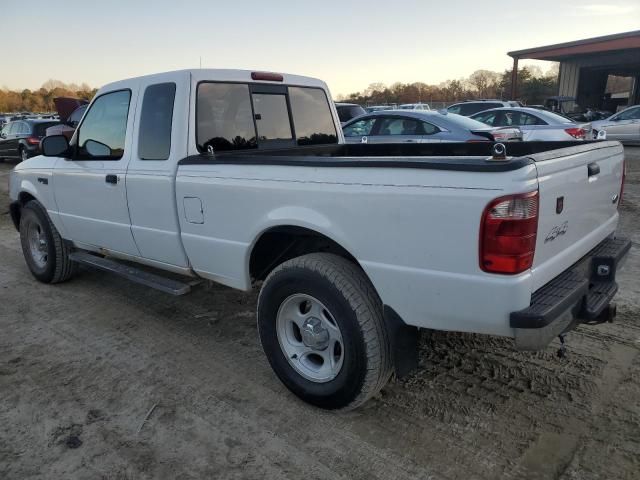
(442, 156)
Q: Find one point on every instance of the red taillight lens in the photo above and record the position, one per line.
(33, 140)
(269, 76)
(578, 133)
(508, 234)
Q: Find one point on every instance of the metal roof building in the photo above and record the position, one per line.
(585, 66)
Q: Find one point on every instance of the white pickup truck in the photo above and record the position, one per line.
(243, 177)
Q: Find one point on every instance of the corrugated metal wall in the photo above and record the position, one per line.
(569, 77)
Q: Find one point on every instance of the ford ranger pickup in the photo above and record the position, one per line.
(243, 178)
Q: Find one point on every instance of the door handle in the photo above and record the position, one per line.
(593, 169)
(111, 179)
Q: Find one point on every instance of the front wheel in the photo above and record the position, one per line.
(45, 252)
(321, 327)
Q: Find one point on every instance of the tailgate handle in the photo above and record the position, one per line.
(594, 169)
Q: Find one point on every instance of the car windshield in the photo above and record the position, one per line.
(465, 122)
(553, 118)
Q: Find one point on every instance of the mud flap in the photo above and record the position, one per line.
(403, 343)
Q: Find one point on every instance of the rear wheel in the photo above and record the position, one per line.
(24, 155)
(45, 252)
(321, 327)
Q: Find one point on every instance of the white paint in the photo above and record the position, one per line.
(414, 232)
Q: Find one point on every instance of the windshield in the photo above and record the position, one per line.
(465, 122)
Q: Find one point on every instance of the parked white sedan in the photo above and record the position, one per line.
(623, 126)
(536, 124)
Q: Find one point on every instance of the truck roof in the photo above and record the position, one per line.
(218, 74)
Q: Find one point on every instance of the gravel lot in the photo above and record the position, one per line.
(83, 364)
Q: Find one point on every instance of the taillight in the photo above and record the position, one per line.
(33, 140)
(508, 233)
(578, 133)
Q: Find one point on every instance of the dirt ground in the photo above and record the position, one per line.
(100, 378)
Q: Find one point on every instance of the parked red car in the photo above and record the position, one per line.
(70, 111)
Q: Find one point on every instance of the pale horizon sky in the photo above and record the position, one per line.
(347, 44)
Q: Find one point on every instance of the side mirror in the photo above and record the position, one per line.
(54, 146)
(3, 135)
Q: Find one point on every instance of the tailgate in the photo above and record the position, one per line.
(579, 189)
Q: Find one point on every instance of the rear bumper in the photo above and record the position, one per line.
(580, 294)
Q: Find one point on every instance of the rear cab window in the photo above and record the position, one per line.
(243, 116)
(312, 117)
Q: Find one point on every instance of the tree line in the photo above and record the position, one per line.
(41, 100)
(533, 88)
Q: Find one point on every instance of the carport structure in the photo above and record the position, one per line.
(586, 65)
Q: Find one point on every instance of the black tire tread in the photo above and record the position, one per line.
(354, 285)
(64, 267)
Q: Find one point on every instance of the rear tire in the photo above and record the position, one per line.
(46, 253)
(345, 302)
(24, 155)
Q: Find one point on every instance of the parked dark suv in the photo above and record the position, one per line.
(21, 139)
(349, 111)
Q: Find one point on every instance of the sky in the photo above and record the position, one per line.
(347, 43)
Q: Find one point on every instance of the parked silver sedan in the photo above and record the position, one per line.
(623, 126)
(415, 126)
(536, 124)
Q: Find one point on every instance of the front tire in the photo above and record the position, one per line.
(45, 252)
(322, 329)
(24, 155)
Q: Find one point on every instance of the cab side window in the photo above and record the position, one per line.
(103, 131)
(154, 141)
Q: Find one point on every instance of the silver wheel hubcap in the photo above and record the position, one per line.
(310, 338)
(23, 154)
(38, 244)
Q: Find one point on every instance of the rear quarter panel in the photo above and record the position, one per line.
(414, 232)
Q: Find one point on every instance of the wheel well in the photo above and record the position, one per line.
(15, 209)
(280, 244)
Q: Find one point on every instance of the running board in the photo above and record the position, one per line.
(133, 274)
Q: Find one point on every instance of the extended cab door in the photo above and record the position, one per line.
(160, 143)
(90, 188)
